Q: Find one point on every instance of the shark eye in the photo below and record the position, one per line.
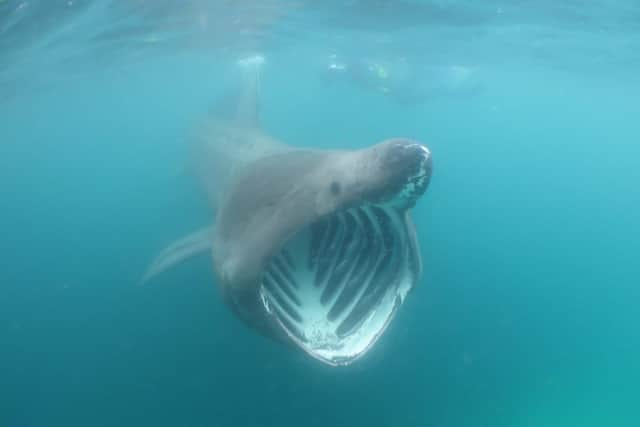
(334, 188)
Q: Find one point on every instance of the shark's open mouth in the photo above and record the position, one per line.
(336, 284)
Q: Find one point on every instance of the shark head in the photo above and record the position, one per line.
(317, 248)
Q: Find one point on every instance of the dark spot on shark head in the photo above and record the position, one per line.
(335, 188)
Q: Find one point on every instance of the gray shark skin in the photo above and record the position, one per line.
(314, 248)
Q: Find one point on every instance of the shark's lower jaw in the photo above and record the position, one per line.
(336, 285)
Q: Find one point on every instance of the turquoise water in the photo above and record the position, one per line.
(527, 314)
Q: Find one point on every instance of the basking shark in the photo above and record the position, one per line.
(311, 247)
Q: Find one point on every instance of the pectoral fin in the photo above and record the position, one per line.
(179, 251)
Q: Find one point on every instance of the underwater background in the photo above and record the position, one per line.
(527, 313)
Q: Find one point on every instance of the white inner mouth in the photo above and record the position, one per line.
(336, 285)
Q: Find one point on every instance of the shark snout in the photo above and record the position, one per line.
(408, 160)
(422, 156)
(406, 170)
(408, 155)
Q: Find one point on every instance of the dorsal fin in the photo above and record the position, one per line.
(248, 107)
(241, 106)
